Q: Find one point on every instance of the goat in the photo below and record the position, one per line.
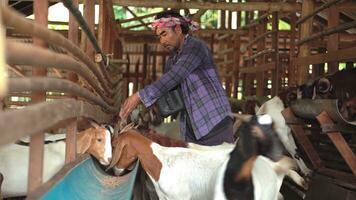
(274, 107)
(189, 173)
(14, 158)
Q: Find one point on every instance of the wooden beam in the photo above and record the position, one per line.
(248, 6)
(259, 68)
(346, 6)
(319, 9)
(302, 139)
(141, 21)
(339, 142)
(332, 56)
(276, 80)
(333, 40)
(260, 78)
(71, 139)
(137, 18)
(306, 30)
(292, 68)
(198, 32)
(35, 176)
(89, 12)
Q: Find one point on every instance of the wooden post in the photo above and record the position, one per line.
(237, 54)
(305, 31)
(349, 65)
(276, 78)
(249, 78)
(89, 15)
(291, 68)
(228, 69)
(154, 67)
(71, 139)
(144, 63)
(333, 40)
(36, 141)
(261, 83)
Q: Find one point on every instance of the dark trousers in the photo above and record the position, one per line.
(222, 132)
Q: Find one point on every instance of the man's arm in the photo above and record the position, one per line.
(191, 57)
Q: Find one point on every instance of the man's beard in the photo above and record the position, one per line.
(170, 48)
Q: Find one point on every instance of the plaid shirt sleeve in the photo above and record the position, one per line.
(191, 57)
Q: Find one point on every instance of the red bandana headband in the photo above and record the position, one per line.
(167, 22)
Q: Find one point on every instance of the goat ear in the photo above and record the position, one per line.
(84, 141)
(119, 148)
(94, 124)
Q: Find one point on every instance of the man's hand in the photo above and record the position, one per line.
(129, 105)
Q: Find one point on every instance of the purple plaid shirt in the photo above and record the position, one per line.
(204, 97)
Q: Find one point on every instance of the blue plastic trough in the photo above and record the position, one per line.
(85, 179)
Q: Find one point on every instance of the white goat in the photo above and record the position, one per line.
(193, 173)
(14, 158)
(274, 107)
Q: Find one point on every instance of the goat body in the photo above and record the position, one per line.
(274, 107)
(14, 162)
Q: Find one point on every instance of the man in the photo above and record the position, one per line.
(207, 118)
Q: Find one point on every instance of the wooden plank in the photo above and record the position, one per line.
(306, 31)
(258, 68)
(276, 80)
(260, 78)
(318, 10)
(236, 69)
(197, 32)
(137, 18)
(339, 55)
(303, 140)
(36, 141)
(30, 120)
(333, 40)
(248, 6)
(89, 15)
(291, 68)
(339, 142)
(346, 6)
(71, 140)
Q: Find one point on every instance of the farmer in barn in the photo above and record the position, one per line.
(206, 117)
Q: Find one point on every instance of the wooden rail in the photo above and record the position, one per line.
(40, 117)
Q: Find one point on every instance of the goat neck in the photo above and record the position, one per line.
(136, 146)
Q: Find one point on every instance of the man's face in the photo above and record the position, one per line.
(168, 37)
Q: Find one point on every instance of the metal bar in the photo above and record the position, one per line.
(19, 123)
(83, 24)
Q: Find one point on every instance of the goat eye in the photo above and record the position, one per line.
(99, 140)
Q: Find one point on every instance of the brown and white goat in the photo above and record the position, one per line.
(14, 158)
(192, 173)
